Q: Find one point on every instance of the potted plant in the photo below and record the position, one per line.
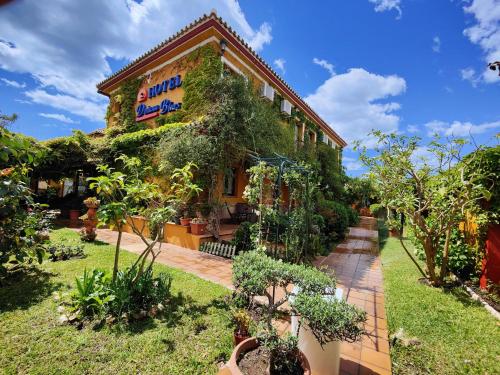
(256, 274)
(182, 190)
(198, 226)
(242, 321)
(92, 202)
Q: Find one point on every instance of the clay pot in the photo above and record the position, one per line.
(394, 233)
(239, 337)
(198, 228)
(252, 343)
(185, 221)
(91, 212)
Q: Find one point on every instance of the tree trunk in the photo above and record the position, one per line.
(444, 262)
(430, 261)
(117, 252)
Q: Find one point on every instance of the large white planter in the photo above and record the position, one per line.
(323, 360)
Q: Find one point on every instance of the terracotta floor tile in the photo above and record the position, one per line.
(351, 350)
(376, 358)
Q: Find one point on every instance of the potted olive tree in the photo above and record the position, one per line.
(255, 274)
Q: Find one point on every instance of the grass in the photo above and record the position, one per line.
(456, 334)
(190, 340)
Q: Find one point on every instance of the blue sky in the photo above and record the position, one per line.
(413, 66)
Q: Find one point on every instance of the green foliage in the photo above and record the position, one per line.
(464, 259)
(243, 237)
(131, 293)
(290, 228)
(23, 224)
(64, 156)
(200, 80)
(91, 294)
(330, 320)
(15, 148)
(337, 218)
(129, 143)
(434, 194)
(62, 251)
(283, 352)
(254, 274)
(128, 96)
(332, 175)
(359, 191)
(376, 209)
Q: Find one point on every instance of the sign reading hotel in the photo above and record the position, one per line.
(145, 112)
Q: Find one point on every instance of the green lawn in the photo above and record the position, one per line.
(190, 340)
(457, 335)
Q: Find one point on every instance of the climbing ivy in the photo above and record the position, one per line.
(204, 73)
(126, 97)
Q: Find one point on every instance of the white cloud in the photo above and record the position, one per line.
(280, 64)
(352, 164)
(59, 117)
(436, 44)
(486, 33)
(86, 108)
(325, 64)
(13, 83)
(412, 129)
(469, 74)
(67, 46)
(261, 37)
(387, 5)
(458, 128)
(352, 103)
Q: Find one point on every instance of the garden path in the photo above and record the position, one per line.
(357, 267)
(205, 266)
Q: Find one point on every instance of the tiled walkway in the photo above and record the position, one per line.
(357, 267)
(205, 266)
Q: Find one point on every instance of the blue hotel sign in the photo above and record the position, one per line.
(145, 112)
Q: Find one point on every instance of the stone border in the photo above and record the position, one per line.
(485, 304)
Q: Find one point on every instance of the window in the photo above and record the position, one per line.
(230, 182)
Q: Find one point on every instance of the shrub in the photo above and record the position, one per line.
(133, 295)
(376, 209)
(254, 274)
(60, 251)
(337, 218)
(243, 237)
(91, 294)
(130, 296)
(353, 216)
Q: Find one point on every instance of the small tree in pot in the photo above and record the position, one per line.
(255, 274)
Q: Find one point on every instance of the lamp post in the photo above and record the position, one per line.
(495, 66)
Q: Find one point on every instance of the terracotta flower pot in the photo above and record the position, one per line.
(394, 233)
(252, 343)
(198, 228)
(239, 337)
(185, 221)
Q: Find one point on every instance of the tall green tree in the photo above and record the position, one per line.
(433, 192)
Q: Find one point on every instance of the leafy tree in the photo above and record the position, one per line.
(129, 193)
(22, 222)
(433, 193)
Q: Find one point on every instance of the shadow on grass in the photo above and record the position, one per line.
(462, 296)
(25, 288)
(179, 309)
